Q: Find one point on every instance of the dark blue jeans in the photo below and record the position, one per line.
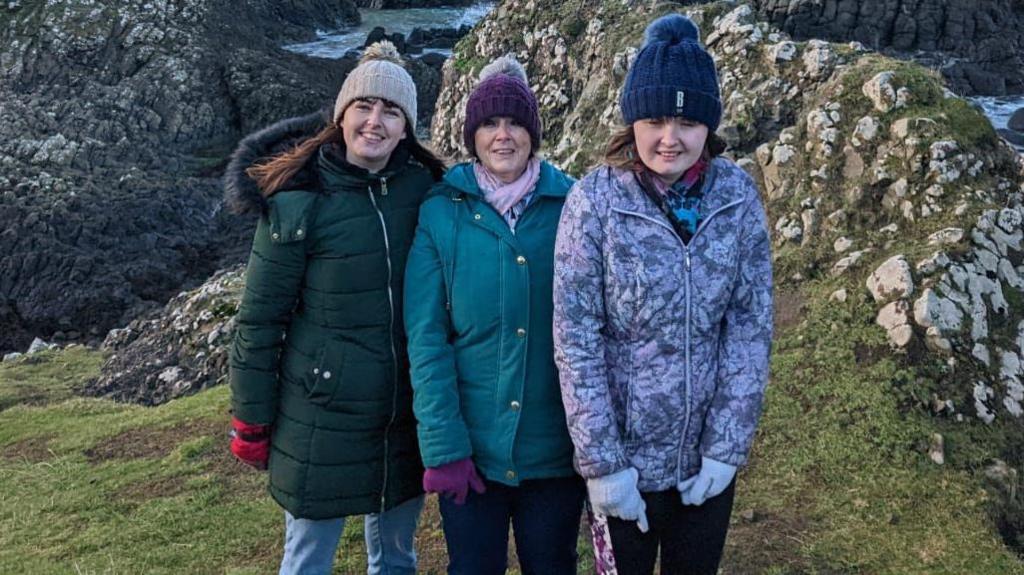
(545, 516)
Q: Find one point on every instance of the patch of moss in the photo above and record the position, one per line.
(572, 27)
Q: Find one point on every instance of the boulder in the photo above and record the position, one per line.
(893, 318)
(1016, 121)
(891, 280)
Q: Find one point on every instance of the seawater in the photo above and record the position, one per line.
(334, 44)
(999, 109)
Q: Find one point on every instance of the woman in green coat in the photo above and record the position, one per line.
(478, 314)
(318, 370)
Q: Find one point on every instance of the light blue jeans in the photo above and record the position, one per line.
(310, 544)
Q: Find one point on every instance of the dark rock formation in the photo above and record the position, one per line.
(979, 45)
(115, 121)
(395, 4)
(1016, 121)
(1014, 137)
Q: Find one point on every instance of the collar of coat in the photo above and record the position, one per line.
(243, 196)
(715, 195)
(553, 182)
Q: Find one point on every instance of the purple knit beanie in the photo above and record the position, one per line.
(502, 91)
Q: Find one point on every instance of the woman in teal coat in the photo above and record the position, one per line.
(478, 316)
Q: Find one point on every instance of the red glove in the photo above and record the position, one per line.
(250, 443)
(453, 480)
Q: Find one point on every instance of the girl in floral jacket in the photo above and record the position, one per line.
(663, 315)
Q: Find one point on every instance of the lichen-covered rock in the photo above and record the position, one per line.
(894, 319)
(881, 91)
(891, 280)
(174, 352)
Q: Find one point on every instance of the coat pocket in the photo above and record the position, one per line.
(324, 377)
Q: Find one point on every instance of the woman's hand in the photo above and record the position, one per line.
(250, 443)
(713, 478)
(453, 480)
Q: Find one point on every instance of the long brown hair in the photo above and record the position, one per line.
(274, 173)
(620, 151)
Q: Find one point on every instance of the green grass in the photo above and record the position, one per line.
(839, 456)
(837, 482)
(92, 486)
(46, 376)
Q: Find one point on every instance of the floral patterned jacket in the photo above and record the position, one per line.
(662, 347)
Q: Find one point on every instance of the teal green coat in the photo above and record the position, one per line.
(478, 314)
(319, 351)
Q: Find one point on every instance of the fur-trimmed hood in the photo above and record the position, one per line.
(241, 194)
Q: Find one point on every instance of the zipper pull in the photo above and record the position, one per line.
(383, 186)
(686, 252)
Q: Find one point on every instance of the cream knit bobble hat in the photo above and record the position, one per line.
(380, 74)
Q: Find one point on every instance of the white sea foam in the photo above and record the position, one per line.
(334, 44)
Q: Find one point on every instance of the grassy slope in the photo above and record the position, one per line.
(838, 476)
(89, 486)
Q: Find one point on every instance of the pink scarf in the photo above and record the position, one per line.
(690, 177)
(503, 196)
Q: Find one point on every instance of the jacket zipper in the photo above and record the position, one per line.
(689, 324)
(391, 332)
(689, 367)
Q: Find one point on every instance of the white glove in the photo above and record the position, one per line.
(616, 495)
(713, 478)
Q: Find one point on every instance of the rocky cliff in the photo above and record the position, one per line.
(116, 117)
(978, 46)
(401, 4)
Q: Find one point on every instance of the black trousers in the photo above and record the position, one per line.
(691, 538)
(545, 518)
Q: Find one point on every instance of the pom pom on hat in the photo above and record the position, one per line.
(383, 50)
(380, 74)
(671, 29)
(507, 65)
(502, 90)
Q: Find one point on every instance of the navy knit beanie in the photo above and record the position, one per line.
(672, 76)
(502, 91)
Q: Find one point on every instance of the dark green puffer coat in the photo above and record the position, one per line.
(320, 351)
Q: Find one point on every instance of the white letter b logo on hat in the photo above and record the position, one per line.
(680, 100)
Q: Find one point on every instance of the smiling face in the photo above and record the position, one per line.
(372, 129)
(669, 146)
(503, 147)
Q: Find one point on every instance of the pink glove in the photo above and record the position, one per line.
(453, 480)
